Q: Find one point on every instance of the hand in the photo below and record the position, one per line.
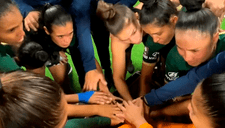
(31, 20)
(134, 114)
(117, 120)
(146, 107)
(110, 111)
(100, 98)
(103, 88)
(92, 78)
(216, 6)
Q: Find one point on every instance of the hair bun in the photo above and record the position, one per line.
(41, 55)
(105, 10)
(149, 3)
(192, 5)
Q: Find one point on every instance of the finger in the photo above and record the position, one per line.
(130, 102)
(32, 26)
(125, 103)
(121, 107)
(26, 25)
(120, 116)
(102, 79)
(84, 87)
(100, 93)
(117, 98)
(36, 24)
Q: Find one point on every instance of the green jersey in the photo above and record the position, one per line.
(7, 63)
(176, 66)
(153, 50)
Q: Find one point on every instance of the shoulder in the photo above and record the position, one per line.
(174, 60)
(221, 43)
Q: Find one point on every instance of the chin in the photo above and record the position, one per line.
(193, 65)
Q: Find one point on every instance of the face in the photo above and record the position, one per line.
(160, 34)
(131, 34)
(197, 112)
(195, 47)
(64, 114)
(62, 35)
(11, 27)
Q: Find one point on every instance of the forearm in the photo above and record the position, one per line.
(146, 77)
(122, 88)
(81, 12)
(82, 110)
(72, 98)
(186, 84)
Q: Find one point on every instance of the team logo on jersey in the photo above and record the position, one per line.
(172, 75)
(155, 54)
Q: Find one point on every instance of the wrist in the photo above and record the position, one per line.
(85, 96)
(96, 110)
(138, 123)
(144, 100)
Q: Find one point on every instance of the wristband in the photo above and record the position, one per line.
(145, 101)
(85, 96)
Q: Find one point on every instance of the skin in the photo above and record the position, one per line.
(61, 35)
(130, 34)
(162, 35)
(196, 111)
(133, 113)
(70, 110)
(194, 106)
(11, 27)
(195, 47)
(31, 20)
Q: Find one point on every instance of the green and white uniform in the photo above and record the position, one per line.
(7, 63)
(176, 66)
(153, 50)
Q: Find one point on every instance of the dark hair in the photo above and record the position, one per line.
(197, 18)
(157, 12)
(213, 93)
(115, 16)
(29, 101)
(53, 15)
(5, 6)
(31, 54)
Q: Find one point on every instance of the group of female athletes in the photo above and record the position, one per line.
(183, 63)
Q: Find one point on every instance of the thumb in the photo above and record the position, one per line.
(102, 79)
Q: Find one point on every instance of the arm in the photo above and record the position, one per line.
(81, 15)
(91, 110)
(119, 67)
(80, 11)
(146, 75)
(186, 84)
(89, 97)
